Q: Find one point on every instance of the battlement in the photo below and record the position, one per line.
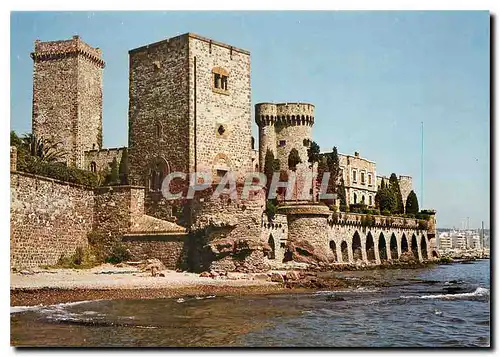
(284, 114)
(65, 48)
(187, 36)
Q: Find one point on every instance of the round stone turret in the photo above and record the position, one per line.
(282, 127)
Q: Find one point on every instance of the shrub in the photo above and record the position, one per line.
(82, 258)
(271, 209)
(58, 171)
(357, 208)
(119, 253)
(386, 212)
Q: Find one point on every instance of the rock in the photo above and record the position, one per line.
(277, 278)
(161, 275)
(214, 274)
(205, 274)
(261, 277)
(292, 276)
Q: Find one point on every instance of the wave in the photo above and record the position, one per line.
(479, 292)
(17, 309)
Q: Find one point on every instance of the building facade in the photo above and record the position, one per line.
(359, 176)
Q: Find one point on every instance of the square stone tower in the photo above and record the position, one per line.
(189, 109)
(67, 96)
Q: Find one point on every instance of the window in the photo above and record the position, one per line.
(93, 166)
(354, 177)
(362, 178)
(282, 143)
(253, 143)
(370, 200)
(355, 198)
(363, 199)
(369, 179)
(221, 173)
(159, 170)
(220, 80)
(306, 142)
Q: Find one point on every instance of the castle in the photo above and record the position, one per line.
(190, 111)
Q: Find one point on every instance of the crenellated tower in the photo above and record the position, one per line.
(282, 127)
(67, 96)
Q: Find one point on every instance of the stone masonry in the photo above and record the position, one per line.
(67, 96)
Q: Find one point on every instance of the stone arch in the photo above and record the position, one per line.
(404, 244)
(357, 250)
(394, 247)
(159, 169)
(423, 248)
(272, 253)
(370, 248)
(382, 247)
(414, 246)
(333, 248)
(345, 252)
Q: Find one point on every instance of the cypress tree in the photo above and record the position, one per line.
(394, 186)
(387, 200)
(411, 203)
(123, 169)
(341, 195)
(113, 178)
(269, 166)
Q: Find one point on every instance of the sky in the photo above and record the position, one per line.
(373, 77)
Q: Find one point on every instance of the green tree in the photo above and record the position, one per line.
(271, 165)
(42, 149)
(394, 186)
(123, 169)
(313, 156)
(14, 139)
(293, 160)
(341, 195)
(377, 195)
(411, 203)
(114, 177)
(387, 200)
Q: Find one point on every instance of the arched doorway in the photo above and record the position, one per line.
(272, 253)
(434, 254)
(394, 247)
(382, 248)
(344, 250)
(423, 248)
(370, 247)
(357, 254)
(414, 246)
(333, 248)
(404, 244)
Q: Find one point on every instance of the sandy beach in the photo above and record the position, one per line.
(49, 286)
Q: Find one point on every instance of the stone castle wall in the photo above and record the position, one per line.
(158, 108)
(102, 158)
(220, 130)
(67, 96)
(48, 219)
(226, 232)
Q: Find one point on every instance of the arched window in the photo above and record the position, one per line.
(253, 143)
(93, 166)
(355, 197)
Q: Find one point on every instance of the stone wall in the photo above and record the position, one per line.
(116, 207)
(275, 233)
(226, 232)
(67, 96)
(102, 158)
(48, 219)
(170, 249)
(221, 133)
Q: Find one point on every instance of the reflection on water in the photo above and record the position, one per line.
(445, 306)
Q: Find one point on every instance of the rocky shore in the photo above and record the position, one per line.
(149, 280)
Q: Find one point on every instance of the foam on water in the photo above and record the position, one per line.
(47, 308)
(476, 293)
